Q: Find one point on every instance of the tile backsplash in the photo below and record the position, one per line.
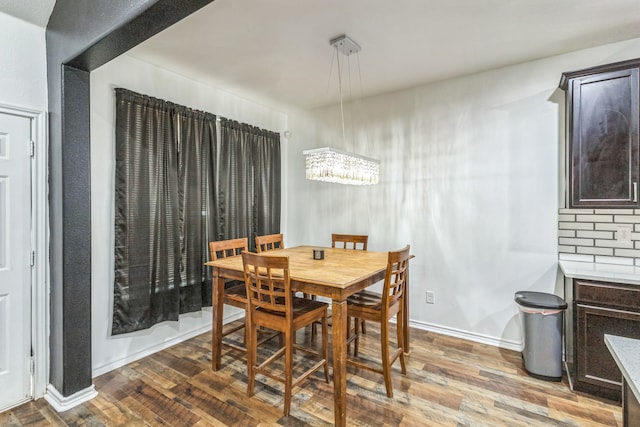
(608, 236)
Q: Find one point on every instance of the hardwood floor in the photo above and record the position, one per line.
(449, 382)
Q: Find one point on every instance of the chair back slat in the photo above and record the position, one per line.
(395, 277)
(226, 248)
(267, 281)
(269, 242)
(349, 241)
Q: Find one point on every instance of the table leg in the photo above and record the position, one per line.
(405, 316)
(339, 327)
(217, 291)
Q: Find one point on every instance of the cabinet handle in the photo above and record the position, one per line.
(635, 191)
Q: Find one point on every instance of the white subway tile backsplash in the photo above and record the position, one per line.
(575, 211)
(575, 257)
(609, 226)
(594, 218)
(594, 251)
(614, 260)
(627, 219)
(635, 253)
(613, 211)
(575, 241)
(627, 244)
(566, 233)
(595, 234)
(575, 225)
(589, 235)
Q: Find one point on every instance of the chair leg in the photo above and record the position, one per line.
(325, 347)
(363, 326)
(357, 340)
(251, 332)
(288, 374)
(386, 368)
(400, 331)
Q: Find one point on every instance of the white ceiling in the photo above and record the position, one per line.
(34, 11)
(277, 51)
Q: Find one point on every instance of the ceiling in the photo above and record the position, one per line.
(277, 52)
(34, 11)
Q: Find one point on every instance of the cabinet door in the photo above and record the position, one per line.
(604, 139)
(596, 371)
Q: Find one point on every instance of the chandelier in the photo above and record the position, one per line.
(330, 164)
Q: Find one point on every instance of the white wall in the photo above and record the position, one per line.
(125, 71)
(23, 74)
(469, 178)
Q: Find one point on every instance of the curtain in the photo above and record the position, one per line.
(249, 189)
(164, 210)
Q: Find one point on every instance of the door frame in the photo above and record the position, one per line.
(39, 244)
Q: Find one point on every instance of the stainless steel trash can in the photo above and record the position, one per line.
(542, 317)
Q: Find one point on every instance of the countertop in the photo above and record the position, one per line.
(628, 274)
(625, 352)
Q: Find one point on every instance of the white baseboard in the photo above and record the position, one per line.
(63, 403)
(99, 370)
(458, 333)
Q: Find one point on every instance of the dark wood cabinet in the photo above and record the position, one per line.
(602, 111)
(601, 308)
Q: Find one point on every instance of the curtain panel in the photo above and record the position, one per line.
(165, 210)
(249, 189)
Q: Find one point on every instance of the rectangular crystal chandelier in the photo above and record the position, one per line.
(329, 164)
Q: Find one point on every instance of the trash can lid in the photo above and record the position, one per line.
(539, 300)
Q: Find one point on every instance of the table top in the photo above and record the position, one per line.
(625, 352)
(340, 268)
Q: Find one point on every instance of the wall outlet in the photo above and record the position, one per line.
(431, 297)
(623, 233)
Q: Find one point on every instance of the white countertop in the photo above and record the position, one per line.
(625, 352)
(603, 272)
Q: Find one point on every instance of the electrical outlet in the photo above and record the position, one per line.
(431, 297)
(623, 233)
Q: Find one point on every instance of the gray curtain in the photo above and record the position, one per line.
(164, 210)
(249, 182)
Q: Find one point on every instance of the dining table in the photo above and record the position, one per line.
(338, 275)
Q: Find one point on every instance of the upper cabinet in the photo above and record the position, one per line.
(602, 111)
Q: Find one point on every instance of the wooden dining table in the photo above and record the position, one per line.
(341, 273)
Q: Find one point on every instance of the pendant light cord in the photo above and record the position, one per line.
(344, 139)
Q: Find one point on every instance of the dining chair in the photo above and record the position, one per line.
(381, 308)
(235, 291)
(269, 242)
(272, 305)
(351, 241)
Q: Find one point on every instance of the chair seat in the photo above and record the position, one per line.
(365, 299)
(236, 295)
(301, 307)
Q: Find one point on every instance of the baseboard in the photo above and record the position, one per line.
(458, 333)
(63, 403)
(99, 370)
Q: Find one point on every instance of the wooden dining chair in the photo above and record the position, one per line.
(269, 242)
(272, 305)
(351, 241)
(235, 291)
(381, 308)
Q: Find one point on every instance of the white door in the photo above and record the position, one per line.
(15, 260)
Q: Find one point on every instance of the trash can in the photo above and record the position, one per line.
(542, 320)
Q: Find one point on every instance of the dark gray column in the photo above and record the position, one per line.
(81, 36)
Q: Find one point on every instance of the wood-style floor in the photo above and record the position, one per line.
(449, 382)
